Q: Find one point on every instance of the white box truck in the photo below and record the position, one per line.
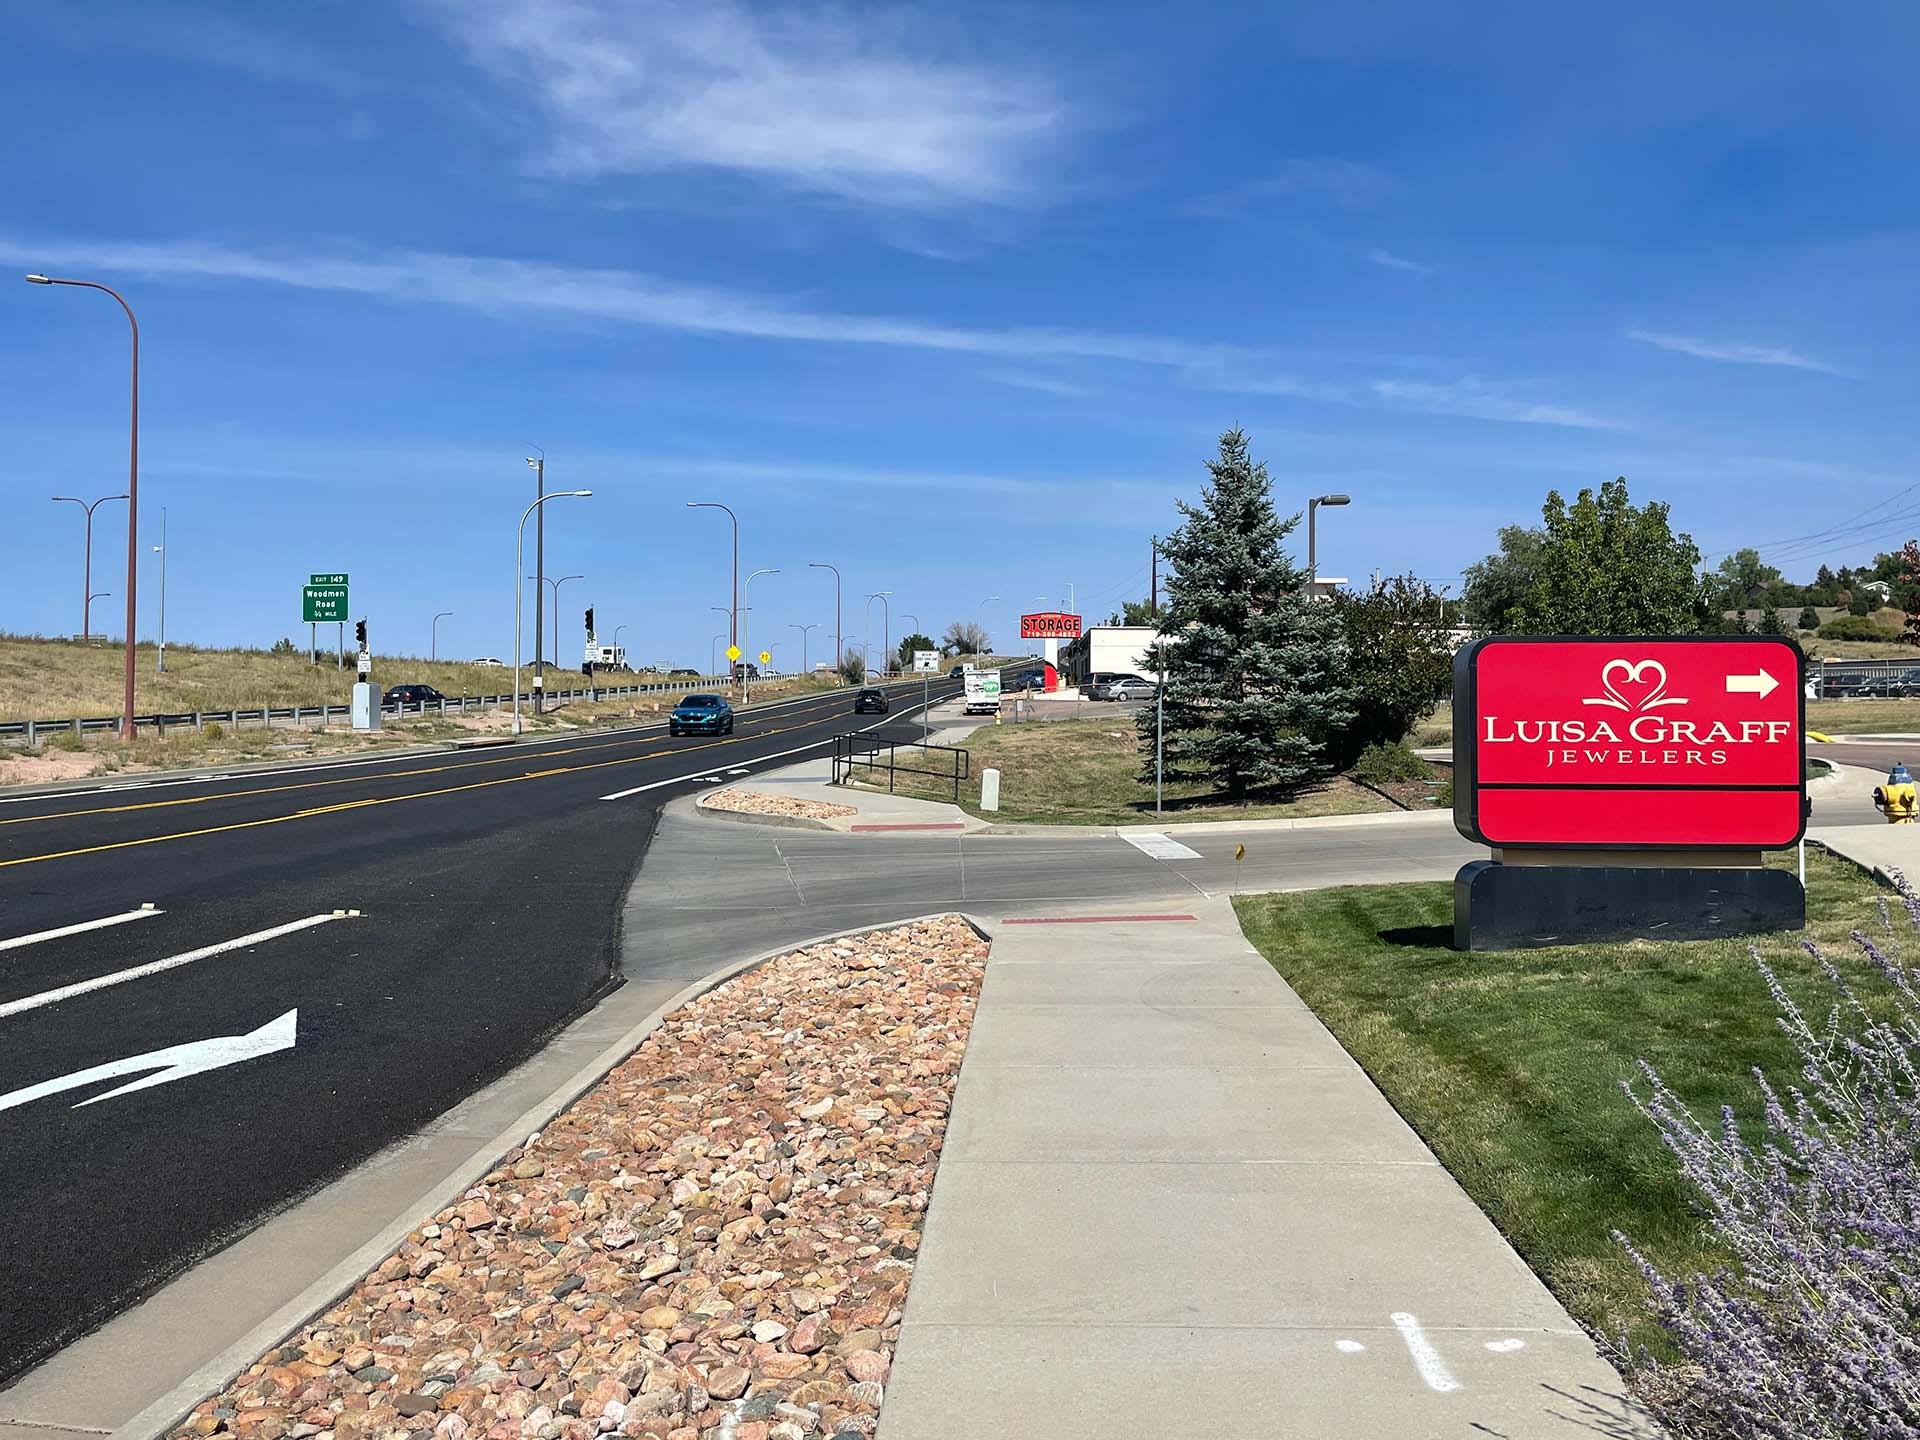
(983, 692)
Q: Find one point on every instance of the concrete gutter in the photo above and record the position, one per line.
(167, 1410)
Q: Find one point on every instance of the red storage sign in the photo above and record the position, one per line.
(1049, 625)
(1630, 742)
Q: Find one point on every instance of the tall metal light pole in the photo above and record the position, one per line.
(991, 599)
(160, 660)
(556, 584)
(733, 598)
(728, 614)
(746, 683)
(616, 632)
(519, 551)
(1313, 572)
(538, 464)
(803, 629)
(433, 635)
(886, 624)
(839, 645)
(713, 653)
(133, 489)
(86, 561)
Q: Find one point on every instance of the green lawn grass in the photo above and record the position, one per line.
(1086, 772)
(1508, 1064)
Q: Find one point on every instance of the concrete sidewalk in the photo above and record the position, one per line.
(1878, 848)
(1170, 1204)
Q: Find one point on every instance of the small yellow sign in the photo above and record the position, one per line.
(733, 652)
(766, 657)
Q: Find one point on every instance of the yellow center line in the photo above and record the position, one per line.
(381, 800)
(343, 780)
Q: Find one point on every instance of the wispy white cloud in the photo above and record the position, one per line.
(1733, 352)
(603, 296)
(1476, 399)
(1027, 380)
(814, 97)
(1387, 260)
(1350, 184)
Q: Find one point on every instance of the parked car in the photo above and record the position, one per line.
(684, 670)
(489, 660)
(1847, 687)
(1096, 680)
(1904, 686)
(1024, 680)
(414, 695)
(1130, 687)
(870, 701)
(701, 715)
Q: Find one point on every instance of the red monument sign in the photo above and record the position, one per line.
(1049, 625)
(1618, 742)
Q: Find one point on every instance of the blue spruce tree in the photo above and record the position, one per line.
(1256, 685)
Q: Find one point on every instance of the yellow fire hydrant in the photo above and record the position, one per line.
(1897, 798)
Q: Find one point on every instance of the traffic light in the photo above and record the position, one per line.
(360, 633)
(589, 619)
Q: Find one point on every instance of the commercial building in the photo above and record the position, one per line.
(1114, 649)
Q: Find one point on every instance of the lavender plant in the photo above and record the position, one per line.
(1813, 1331)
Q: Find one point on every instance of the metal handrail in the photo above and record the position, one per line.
(858, 751)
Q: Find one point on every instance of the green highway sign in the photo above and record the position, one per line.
(323, 602)
(335, 579)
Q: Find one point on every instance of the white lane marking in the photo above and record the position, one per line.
(174, 962)
(1159, 846)
(758, 759)
(736, 772)
(1506, 1347)
(176, 1062)
(1426, 1359)
(20, 942)
(1348, 1347)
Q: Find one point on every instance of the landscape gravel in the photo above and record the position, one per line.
(714, 1243)
(759, 802)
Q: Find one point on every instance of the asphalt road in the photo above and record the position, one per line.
(489, 887)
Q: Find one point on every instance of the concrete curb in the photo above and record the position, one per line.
(163, 1414)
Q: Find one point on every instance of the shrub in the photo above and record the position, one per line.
(1809, 618)
(66, 740)
(213, 730)
(282, 646)
(1815, 1333)
(1853, 627)
(1379, 764)
(853, 668)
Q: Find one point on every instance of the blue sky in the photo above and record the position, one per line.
(955, 297)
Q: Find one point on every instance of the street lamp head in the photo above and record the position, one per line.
(581, 493)
(1334, 500)
(39, 280)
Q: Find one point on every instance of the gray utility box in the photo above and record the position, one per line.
(366, 705)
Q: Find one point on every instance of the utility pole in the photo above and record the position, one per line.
(1153, 586)
(539, 567)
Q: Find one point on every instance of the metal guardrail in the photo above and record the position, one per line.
(35, 732)
(861, 752)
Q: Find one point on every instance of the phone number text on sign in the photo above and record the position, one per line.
(1049, 625)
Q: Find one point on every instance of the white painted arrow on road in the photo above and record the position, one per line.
(1758, 683)
(176, 1062)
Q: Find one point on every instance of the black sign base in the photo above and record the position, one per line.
(1517, 907)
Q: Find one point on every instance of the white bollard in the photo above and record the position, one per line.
(989, 789)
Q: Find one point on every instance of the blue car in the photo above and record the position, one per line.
(701, 715)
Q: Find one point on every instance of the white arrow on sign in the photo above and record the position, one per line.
(176, 1062)
(1758, 683)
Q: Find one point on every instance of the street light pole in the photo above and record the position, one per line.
(746, 671)
(886, 624)
(86, 561)
(991, 599)
(1313, 572)
(133, 490)
(733, 599)
(713, 651)
(556, 584)
(160, 662)
(539, 467)
(519, 552)
(433, 635)
(803, 629)
(839, 645)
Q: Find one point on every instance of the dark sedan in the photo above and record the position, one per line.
(405, 695)
(870, 702)
(701, 715)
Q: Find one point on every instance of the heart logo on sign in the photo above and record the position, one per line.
(1633, 685)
